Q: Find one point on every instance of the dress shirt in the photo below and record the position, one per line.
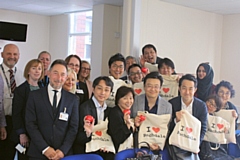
(7, 91)
(51, 94)
(188, 108)
(153, 109)
(100, 109)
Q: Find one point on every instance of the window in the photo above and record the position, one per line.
(80, 36)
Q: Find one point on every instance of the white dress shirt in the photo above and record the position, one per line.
(185, 107)
(51, 94)
(100, 109)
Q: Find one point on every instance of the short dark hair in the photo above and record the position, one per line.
(217, 100)
(167, 62)
(188, 77)
(153, 75)
(106, 79)
(59, 61)
(121, 92)
(67, 59)
(227, 85)
(149, 46)
(132, 66)
(116, 57)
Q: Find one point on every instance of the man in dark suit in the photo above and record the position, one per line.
(96, 107)
(196, 107)
(52, 117)
(149, 54)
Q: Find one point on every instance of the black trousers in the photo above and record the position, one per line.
(7, 146)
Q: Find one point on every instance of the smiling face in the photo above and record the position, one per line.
(70, 82)
(35, 72)
(152, 88)
(150, 55)
(74, 64)
(166, 70)
(116, 69)
(101, 92)
(201, 73)
(85, 70)
(224, 93)
(45, 59)
(187, 90)
(135, 75)
(10, 55)
(57, 76)
(211, 106)
(126, 102)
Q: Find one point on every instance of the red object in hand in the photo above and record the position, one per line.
(127, 111)
(89, 118)
(144, 69)
(142, 118)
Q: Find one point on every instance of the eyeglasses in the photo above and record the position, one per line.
(212, 103)
(73, 65)
(149, 86)
(87, 69)
(221, 93)
(135, 73)
(116, 66)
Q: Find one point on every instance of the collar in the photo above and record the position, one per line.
(156, 104)
(97, 105)
(50, 89)
(184, 105)
(6, 68)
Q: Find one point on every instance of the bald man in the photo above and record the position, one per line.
(10, 55)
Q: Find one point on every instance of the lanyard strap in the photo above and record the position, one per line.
(8, 84)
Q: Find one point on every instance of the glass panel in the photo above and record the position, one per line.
(81, 22)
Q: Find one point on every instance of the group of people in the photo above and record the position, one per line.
(45, 116)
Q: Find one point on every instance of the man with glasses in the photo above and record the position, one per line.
(135, 73)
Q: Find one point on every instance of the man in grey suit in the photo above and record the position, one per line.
(151, 101)
(52, 117)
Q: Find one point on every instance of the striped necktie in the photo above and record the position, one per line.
(12, 80)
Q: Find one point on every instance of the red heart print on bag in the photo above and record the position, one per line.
(138, 91)
(99, 133)
(189, 130)
(156, 129)
(220, 126)
(165, 90)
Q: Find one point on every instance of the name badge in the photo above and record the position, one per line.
(63, 115)
(80, 91)
(20, 148)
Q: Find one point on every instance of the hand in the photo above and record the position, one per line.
(3, 133)
(234, 114)
(142, 61)
(88, 127)
(127, 120)
(59, 155)
(179, 115)
(137, 121)
(104, 150)
(50, 153)
(24, 141)
(154, 146)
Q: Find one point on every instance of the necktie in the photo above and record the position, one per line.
(12, 80)
(55, 99)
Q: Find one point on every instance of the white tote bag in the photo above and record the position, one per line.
(186, 133)
(169, 87)
(227, 115)
(128, 143)
(100, 138)
(138, 88)
(216, 130)
(154, 129)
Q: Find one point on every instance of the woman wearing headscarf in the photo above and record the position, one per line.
(205, 85)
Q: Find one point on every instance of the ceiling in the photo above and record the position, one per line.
(55, 7)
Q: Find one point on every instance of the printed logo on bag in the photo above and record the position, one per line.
(169, 96)
(186, 132)
(99, 133)
(219, 128)
(138, 91)
(153, 132)
(165, 90)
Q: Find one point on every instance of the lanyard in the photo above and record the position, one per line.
(8, 84)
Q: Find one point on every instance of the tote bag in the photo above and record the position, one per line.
(227, 115)
(100, 138)
(169, 87)
(186, 133)
(216, 130)
(154, 129)
(138, 88)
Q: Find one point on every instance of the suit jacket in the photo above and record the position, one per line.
(18, 111)
(164, 107)
(87, 108)
(46, 130)
(199, 111)
(117, 127)
(2, 115)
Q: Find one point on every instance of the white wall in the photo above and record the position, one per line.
(37, 34)
(231, 53)
(187, 36)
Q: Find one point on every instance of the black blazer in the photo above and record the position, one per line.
(199, 111)
(18, 110)
(46, 130)
(117, 127)
(87, 108)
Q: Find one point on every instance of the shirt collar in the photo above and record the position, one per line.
(184, 105)
(97, 105)
(6, 68)
(50, 88)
